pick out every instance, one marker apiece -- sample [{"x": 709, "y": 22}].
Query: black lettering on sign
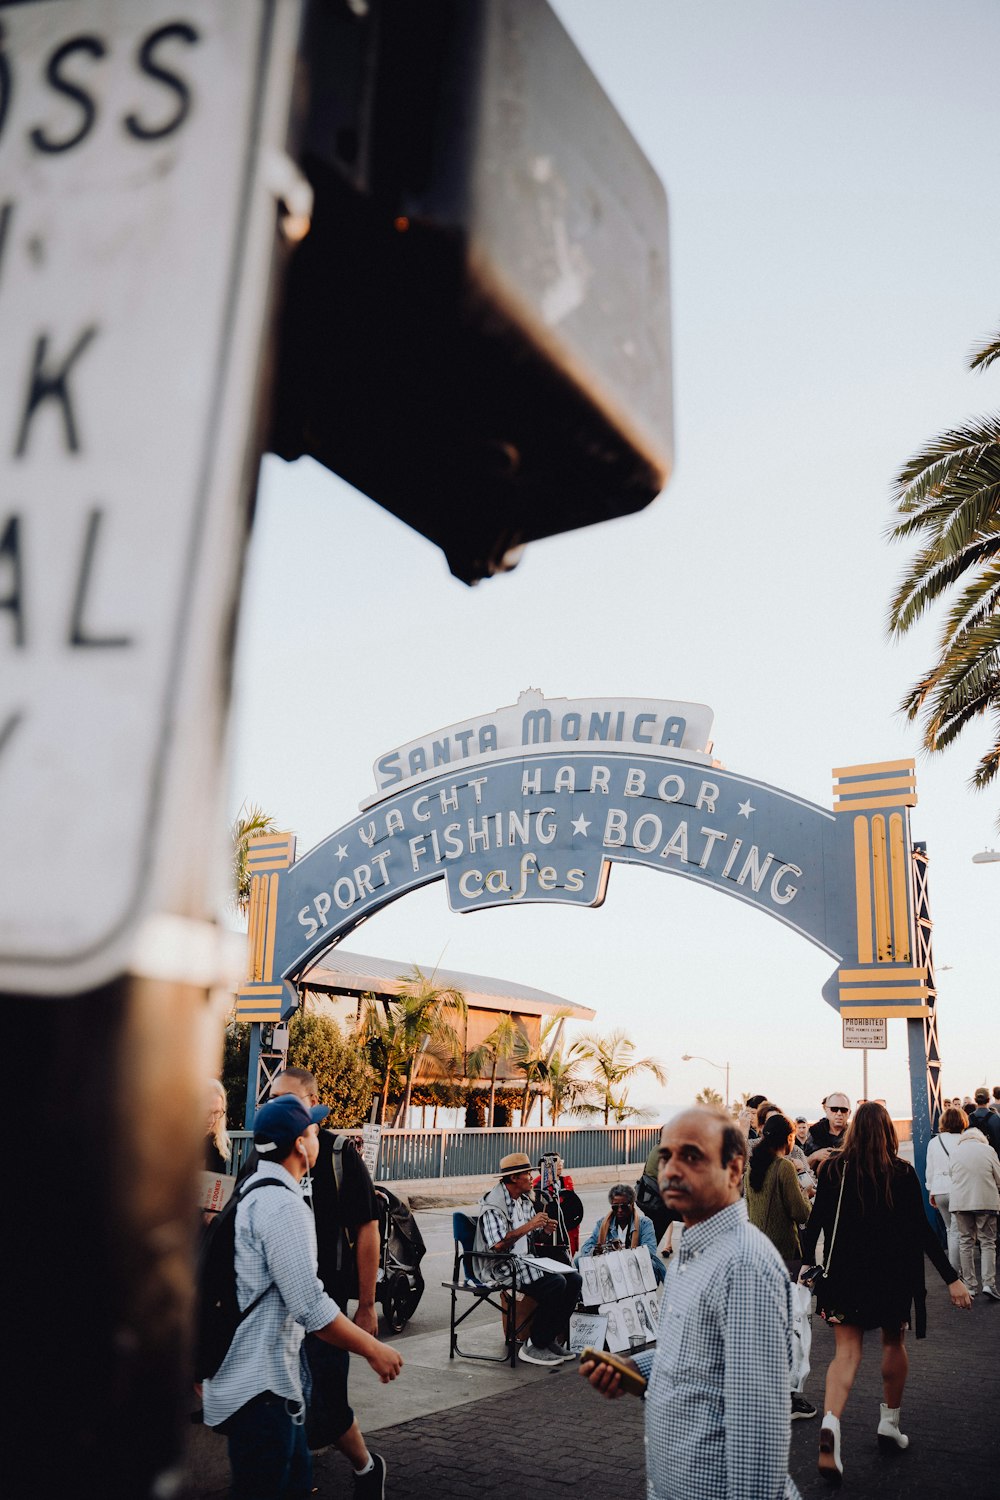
[
  {"x": 78, "y": 635},
  {"x": 6, "y": 214},
  {"x": 46, "y": 384},
  {"x": 7, "y": 727},
  {"x": 5, "y": 81},
  {"x": 63, "y": 85},
  {"x": 149, "y": 65},
  {"x": 10, "y": 568}
]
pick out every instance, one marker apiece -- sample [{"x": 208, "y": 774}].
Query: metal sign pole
[{"x": 139, "y": 257}]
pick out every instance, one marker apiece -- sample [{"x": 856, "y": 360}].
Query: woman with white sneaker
[{"x": 875, "y": 1234}]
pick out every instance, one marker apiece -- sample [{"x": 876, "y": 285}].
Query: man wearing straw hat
[{"x": 506, "y": 1221}]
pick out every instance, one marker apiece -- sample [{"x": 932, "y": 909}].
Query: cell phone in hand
[{"x": 632, "y": 1382}]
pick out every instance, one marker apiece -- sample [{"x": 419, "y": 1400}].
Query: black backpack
[{"x": 217, "y": 1310}]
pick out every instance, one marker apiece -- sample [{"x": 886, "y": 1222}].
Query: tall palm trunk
[{"x": 492, "y": 1116}]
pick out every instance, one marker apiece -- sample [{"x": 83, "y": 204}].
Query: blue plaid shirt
[
  {"x": 718, "y": 1415},
  {"x": 275, "y": 1249}
]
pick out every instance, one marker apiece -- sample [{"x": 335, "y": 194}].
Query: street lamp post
[{"x": 722, "y": 1067}]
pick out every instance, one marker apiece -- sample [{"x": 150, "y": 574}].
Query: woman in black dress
[{"x": 875, "y": 1234}]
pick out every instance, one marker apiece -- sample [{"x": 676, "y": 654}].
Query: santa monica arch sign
[{"x": 537, "y": 802}]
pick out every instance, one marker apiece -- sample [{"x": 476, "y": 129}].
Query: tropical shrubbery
[{"x": 344, "y": 1078}]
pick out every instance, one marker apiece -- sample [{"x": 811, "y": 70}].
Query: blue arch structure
[{"x": 547, "y": 824}]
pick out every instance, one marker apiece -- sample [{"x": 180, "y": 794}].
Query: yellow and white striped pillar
[
  {"x": 884, "y": 978},
  {"x": 260, "y": 997}
]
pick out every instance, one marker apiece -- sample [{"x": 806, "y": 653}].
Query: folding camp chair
[{"x": 500, "y": 1292}]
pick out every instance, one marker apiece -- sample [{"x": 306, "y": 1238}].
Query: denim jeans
[
  {"x": 556, "y": 1297},
  {"x": 267, "y": 1452}
]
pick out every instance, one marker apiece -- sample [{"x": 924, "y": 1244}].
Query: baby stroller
[{"x": 400, "y": 1284}]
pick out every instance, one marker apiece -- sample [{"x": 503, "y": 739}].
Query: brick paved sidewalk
[{"x": 554, "y": 1436}]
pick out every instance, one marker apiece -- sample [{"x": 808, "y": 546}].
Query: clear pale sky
[{"x": 832, "y": 173}]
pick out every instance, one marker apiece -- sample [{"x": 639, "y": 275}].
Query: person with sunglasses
[{"x": 826, "y": 1136}]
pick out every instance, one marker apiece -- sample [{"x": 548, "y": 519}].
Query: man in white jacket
[{"x": 975, "y": 1200}]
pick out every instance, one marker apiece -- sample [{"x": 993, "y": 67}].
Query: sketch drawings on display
[
  {"x": 587, "y": 1331},
  {"x": 617, "y": 1334},
  {"x": 639, "y": 1272},
  {"x": 592, "y": 1292},
  {"x": 609, "y": 1283},
  {"x": 630, "y": 1318},
  {"x": 616, "y": 1266},
  {"x": 647, "y": 1313},
  {"x": 609, "y": 1292},
  {"x": 633, "y": 1272}
]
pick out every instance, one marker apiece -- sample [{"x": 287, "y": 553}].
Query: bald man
[{"x": 718, "y": 1420}]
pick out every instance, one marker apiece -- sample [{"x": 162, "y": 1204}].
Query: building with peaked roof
[{"x": 338, "y": 982}]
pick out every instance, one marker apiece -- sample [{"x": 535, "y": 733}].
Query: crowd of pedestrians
[{"x": 748, "y": 1211}]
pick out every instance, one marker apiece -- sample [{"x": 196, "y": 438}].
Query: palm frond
[
  {"x": 948, "y": 496},
  {"x": 982, "y": 358},
  {"x": 250, "y": 822}
]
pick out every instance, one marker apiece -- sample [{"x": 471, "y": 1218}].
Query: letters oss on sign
[{"x": 136, "y": 239}]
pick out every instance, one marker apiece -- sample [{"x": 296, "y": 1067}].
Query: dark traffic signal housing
[{"x": 476, "y": 328}]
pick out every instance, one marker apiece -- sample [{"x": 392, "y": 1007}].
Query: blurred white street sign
[
  {"x": 137, "y": 237},
  {"x": 371, "y": 1135}
]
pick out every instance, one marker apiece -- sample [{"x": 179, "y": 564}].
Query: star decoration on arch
[
  {"x": 746, "y": 809},
  {"x": 580, "y": 825},
  {"x": 341, "y": 851}
]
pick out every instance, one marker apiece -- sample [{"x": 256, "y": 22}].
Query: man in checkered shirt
[
  {"x": 506, "y": 1222},
  {"x": 717, "y": 1404}
]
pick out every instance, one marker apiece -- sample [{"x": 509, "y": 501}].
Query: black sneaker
[
  {"x": 801, "y": 1408},
  {"x": 371, "y": 1486}
]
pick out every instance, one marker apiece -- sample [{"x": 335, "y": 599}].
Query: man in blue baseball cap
[
  {"x": 280, "y": 1123},
  {"x": 257, "y": 1391}
]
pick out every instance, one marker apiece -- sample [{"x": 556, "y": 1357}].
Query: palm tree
[
  {"x": 535, "y": 1061},
  {"x": 614, "y": 1063},
  {"x": 949, "y": 495},
  {"x": 621, "y": 1110},
  {"x": 531, "y": 1059},
  {"x": 566, "y": 1084},
  {"x": 709, "y": 1096},
  {"x": 381, "y": 1037},
  {"x": 250, "y": 823},
  {"x": 423, "y": 1013},
  {"x": 498, "y": 1047},
  {"x": 739, "y": 1105}
]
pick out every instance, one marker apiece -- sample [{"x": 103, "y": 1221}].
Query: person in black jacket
[
  {"x": 875, "y": 1234},
  {"x": 828, "y": 1135},
  {"x": 347, "y": 1235}
]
